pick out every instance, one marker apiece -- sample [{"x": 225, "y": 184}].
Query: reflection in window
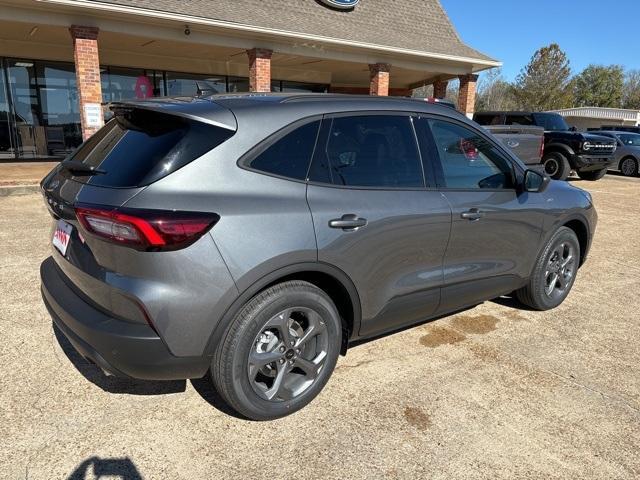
[
  {"x": 468, "y": 160},
  {"x": 371, "y": 151},
  {"x": 185, "y": 84}
]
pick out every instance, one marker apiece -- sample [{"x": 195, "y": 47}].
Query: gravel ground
[{"x": 494, "y": 392}]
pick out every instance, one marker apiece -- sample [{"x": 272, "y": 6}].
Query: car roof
[{"x": 212, "y": 108}]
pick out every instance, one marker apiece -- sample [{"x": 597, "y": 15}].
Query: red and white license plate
[{"x": 62, "y": 236}]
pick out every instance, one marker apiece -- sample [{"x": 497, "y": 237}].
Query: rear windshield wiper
[{"x": 78, "y": 168}]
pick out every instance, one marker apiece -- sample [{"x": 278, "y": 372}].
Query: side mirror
[{"x": 535, "y": 182}]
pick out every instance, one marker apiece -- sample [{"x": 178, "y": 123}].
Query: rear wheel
[
  {"x": 554, "y": 272},
  {"x": 279, "y": 351},
  {"x": 556, "y": 165},
  {"x": 629, "y": 167},
  {"x": 592, "y": 175}
]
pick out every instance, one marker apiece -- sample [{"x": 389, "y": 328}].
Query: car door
[
  {"x": 496, "y": 228},
  {"x": 375, "y": 218}
]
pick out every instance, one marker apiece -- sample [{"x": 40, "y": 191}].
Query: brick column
[
  {"x": 379, "y": 79},
  {"x": 87, "y": 63},
  {"x": 467, "y": 94},
  {"x": 259, "y": 69},
  {"x": 440, "y": 88}
]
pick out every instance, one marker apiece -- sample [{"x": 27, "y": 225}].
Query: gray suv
[{"x": 256, "y": 237}]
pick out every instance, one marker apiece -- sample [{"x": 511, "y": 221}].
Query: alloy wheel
[
  {"x": 560, "y": 270},
  {"x": 628, "y": 167},
  {"x": 288, "y": 354}
]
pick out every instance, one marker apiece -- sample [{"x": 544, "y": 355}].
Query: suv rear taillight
[
  {"x": 148, "y": 230},
  {"x": 542, "y": 147}
]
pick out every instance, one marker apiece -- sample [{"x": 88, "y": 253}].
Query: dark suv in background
[
  {"x": 565, "y": 149},
  {"x": 257, "y": 236}
]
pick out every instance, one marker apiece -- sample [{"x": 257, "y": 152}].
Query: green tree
[
  {"x": 631, "y": 90},
  {"x": 494, "y": 92},
  {"x": 545, "y": 83},
  {"x": 599, "y": 86}
]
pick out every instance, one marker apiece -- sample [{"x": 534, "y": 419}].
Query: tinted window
[
  {"x": 630, "y": 139},
  {"x": 290, "y": 155},
  {"x": 488, "y": 118},
  {"x": 519, "y": 120},
  {"x": 551, "y": 122},
  {"x": 138, "y": 147},
  {"x": 469, "y": 160},
  {"x": 371, "y": 151}
]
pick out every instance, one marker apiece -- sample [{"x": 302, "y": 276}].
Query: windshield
[
  {"x": 551, "y": 122},
  {"x": 630, "y": 139}
]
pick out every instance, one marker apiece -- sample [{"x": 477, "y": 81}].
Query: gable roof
[{"x": 420, "y": 26}]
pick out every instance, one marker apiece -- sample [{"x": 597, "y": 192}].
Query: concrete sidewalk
[{"x": 22, "y": 177}]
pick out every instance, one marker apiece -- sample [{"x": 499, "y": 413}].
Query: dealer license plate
[{"x": 62, "y": 236}]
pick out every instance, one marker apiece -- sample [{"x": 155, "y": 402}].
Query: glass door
[{"x": 6, "y": 137}]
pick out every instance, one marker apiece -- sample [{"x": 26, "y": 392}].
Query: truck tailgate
[{"x": 524, "y": 141}]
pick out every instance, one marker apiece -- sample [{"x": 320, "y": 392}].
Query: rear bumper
[
  {"x": 119, "y": 347},
  {"x": 586, "y": 163}
]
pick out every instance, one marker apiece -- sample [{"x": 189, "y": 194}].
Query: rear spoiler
[{"x": 198, "y": 109}]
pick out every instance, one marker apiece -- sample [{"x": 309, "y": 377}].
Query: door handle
[
  {"x": 472, "y": 214},
  {"x": 348, "y": 222}
]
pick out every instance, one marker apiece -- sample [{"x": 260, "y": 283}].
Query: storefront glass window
[
  {"x": 130, "y": 83},
  {"x": 45, "y": 118},
  {"x": 39, "y": 110},
  {"x": 303, "y": 87},
  {"x": 238, "y": 84},
  {"x": 186, "y": 84},
  {"x": 6, "y": 119}
]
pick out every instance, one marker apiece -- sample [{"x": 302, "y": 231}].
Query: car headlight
[{"x": 586, "y": 146}]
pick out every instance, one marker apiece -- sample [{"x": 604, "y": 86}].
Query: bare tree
[{"x": 494, "y": 92}]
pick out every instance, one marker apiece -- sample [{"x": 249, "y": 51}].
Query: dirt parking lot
[{"x": 494, "y": 392}]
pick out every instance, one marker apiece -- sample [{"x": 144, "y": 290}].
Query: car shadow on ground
[
  {"x": 511, "y": 301},
  {"x": 111, "y": 384},
  {"x": 121, "y": 468},
  {"x": 203, "y": 386}
]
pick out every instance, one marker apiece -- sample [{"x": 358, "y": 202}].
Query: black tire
[
  {"x": 556, "y": 165},
  {"x": 592, "y": 175},
  {"x": 629, "y": 167},
  {"x": 536, "y": 293},
  {"x": 243, "y": 385}
]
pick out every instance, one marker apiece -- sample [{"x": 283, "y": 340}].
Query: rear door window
[
  {"x": 369, "y": 151},
  {"x": 139, "y": 147}
]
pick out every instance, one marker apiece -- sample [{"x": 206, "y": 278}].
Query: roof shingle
[{"x": 420, "y": 25}]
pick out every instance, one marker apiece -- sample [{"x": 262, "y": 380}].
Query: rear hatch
[{"x": 142, "y": 143}]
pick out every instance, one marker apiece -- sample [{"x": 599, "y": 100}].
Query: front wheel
[
  {"x": 556, "y": 165},
  {"x": 554, "y": 272},
  {"x": 279, "y": 351},
  {"x": 592, "y": 175}
]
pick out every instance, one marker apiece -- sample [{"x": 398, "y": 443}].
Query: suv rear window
[{"x": 138, "y": 147}]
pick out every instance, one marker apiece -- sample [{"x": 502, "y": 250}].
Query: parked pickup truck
[
  {"x": 564, "y": 149},
  {"x": 527, "y": 142}
]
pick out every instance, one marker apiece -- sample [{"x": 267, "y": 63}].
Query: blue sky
[{"x": 588, "y": 31}]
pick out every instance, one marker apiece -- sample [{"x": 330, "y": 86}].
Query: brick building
[{"x": 60, "y": 59}]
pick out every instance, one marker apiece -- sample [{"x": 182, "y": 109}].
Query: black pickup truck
[{"x": 564, "y": 148}]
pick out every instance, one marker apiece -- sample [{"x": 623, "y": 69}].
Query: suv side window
[
  {"x": 369, "y": 151},
  {"x": 468, "y": 160},
  {"x": 290, "y": 155}
]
